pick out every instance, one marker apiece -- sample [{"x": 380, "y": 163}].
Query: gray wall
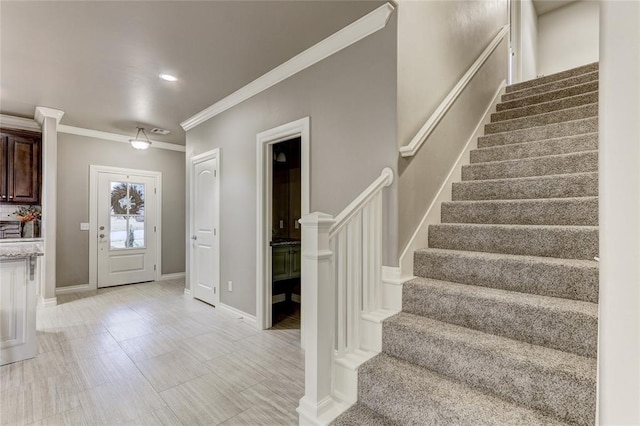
[
  {"x": 75, "y": 155},
  {"x": 351, "y": 100},
  {"x": 437, "y": 42},
  {"x": 568, "y": 37}
]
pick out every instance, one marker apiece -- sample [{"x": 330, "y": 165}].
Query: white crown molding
[
  {"x": 356, "y": 31},
  {"x": 11, "y": 122},
  {"x": 63, "y": 128},
  {"x": 44, "y": 112}
]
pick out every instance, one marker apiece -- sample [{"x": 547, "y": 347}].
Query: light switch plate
[
  {"x": 230, "y": 286},
  {"x": 84, "y": 226}
]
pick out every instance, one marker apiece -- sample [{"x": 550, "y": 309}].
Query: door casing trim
[
  {"x": 214, "y": 153},
  {"x": 264, "y": 162},
  {"x": 94, "y": 170}
]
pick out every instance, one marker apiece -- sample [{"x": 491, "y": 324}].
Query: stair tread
[
  {"x": 580, "y": 99},
  {"x": 566, "y": 278},
  {"x": 583, "y": 69},
  {"x": 557, "y": 361},
  {"x": 560, "y": 383},
  {"x": 536, "y": 99},
  {"x": 564, "y": 324},
  {"x": 518, "y": 160},
  {"x": 573, "y": 80},
  {"x": 424, "y": 397},
  {"x": 512, "y": 297},
  {"x": 522, "y": 201},
  {"x": 526, "y": 178},
  {"x": 574, "y": 162},
  {"x": 587, "y": 110},
  {"x": 530, "y": 144},
  {"x": 575, "y": 263},
  {"x": 360, "y": 414},
  {"x": 549, "y": 131}
]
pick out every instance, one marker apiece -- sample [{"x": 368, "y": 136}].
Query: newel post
[{"x": 318, "y": 316}]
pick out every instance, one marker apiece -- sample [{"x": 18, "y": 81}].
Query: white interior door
[
  {"x": 205, "y": 208},
  {"x": 127, "y": 228}
]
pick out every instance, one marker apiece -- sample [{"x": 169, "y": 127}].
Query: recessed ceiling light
[{"x": 168, "y": 77}]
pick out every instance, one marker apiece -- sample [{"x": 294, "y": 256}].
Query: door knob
[
  {"x": 101, "y": 235},
  {"x": 102, "y": 228},
  {"x": 194, "y": 237}
]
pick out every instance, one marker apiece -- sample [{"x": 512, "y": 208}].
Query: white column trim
[{"x": 48, "y": 118}]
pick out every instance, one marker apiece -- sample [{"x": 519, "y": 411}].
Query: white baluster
[
  {"x": 354, "y": 237},
  {"x": 341, "y": 265}
]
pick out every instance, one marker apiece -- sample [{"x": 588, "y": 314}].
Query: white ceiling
[
  {"x": 99, "y": 60},
  {"x": 544, "y": 6}
]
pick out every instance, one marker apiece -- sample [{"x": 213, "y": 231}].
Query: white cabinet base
[{"x": 17, "y": 311}]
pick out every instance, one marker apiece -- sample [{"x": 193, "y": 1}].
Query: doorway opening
[
  {"x": 286, "y": 211},
  {"x": 283, "y": 167}
]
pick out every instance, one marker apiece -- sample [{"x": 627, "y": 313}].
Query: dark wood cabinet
[{"x": 20, "y": 161}]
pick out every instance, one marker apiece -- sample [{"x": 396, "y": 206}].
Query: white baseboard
[
  {"x": 420, "y": 237},
  {"x": 73, "y": 289},
  {"x": 47, "y": 303},
  {"x": 278, "y": 298},
  {"x": 249, "y": 319},
  {"x": 174, "y": 276},
  {"x": 296, "y": 298},
  {"x": 187, "y": 292}
]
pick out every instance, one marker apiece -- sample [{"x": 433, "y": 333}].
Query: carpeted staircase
[{"x": 500, "y": 325}]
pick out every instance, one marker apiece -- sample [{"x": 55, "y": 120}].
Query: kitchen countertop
[{"x": 19, "y": 248}]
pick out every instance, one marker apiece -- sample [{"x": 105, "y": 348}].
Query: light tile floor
[{"x": 145, "y": 354}]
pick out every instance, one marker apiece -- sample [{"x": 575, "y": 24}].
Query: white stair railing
[{"x": 341, "y": 283}]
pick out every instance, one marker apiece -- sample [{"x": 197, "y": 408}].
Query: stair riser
[
  {"x": 550, "y": 87},
  {"x": 557, "y": 105},
  {"x": 538, "y": 166},
  {"x": 540, "y": 212},
  {"x": 563, "y": 330},
  {"x": 568, "y": 397},
  {"x": 551, "y": 131},
  {"x": 553, "y": 77},
  {"x": 562, "y": 242},
  {"x": 578, "y": 185},
  {"x": 411, "y": 395},
  {"x": 549, "y": 96},
  {"x": 576, "y": 113},
  {"x": 506, "y": 273},
  {"x": 535, "y": 149}
]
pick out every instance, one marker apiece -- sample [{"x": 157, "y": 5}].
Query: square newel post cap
[
  {"x": 318, "y": 220},
  {"x": 44, "y": 112}
]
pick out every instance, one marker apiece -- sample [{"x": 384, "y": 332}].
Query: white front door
[
  {"x": 205, "y": 271},
  {"x": 127, "y": 228}
]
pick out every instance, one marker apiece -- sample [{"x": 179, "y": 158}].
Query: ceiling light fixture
[
  {"x": 139, "y": 143},
  {"x": 168, "y": 77}
]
